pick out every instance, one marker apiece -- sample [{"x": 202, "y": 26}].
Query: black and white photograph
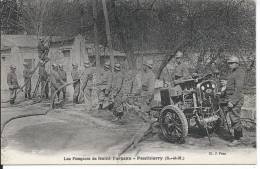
[{"x": 128, "y": 82}]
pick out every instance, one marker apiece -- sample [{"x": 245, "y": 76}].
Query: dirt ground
[{"x": 72, "y": 129}]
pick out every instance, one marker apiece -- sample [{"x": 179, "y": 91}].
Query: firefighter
[
  {"x": 234, "y": 98},
  {"x": 75, "y": 74},
  {"x": 55, "y": 79},
  {"x": 43, "y": 48},
  {"x": 117, "y": 79},
  {"x": 147, "y": 79},
  {"x": 180, "y": 69},
  {"x": 63, "y": 76},
  {"x": 43, "y": 77},
  {"x": 105, "y": 85},
  {"x": 145, "y": 89},
  {"x": 12, "y": 83},
  {"x": 87, "y": 86},
  {"x": 27, "y": 80},
  {"x": 117, "y": 92}
]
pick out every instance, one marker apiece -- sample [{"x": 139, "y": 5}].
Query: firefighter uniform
[
  {"x": 145, "y": 89},
  {"x": 63, "y": 76},
  {"x": 27, "y": 80},
  {"x": 12, "y": 83},
  {"x": 180, "y": 71},
  {"x": 75, "y": 74},
  {"x": 87, "y": 84},
  {"x": 43, "y": 49},
  {"x": 105, "y": 84},
  {"x": 55, "y": 79},
  {"x": 117, "y": 80},
  {"x": 43, "y": 77},
  {"x": 180, "y": 68},
  {"x": 235, "y": 84},
  {"x": 234, "y": 97},
  {"x": 117, "y": 92}
]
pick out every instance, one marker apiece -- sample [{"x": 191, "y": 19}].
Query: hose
[{"x": 38, "y": 114}]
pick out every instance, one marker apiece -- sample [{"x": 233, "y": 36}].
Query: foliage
[{"x": 202, "y": 26}]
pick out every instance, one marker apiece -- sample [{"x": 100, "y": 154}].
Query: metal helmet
[
  {"x": 107, "y": 65},
  {"x": 216, "y": 71},
  {"x": 233, "y": 59},
  {"x": 54, "y": 65},
  {"x": 149, "y": 63},
  {"x": 74, "y": 65},
  {"x": 12, "y": 67},
  {"x": 117, "y": 66},
  {"x": 179, "y": 54},
  {"x": 87, "y": 64}
]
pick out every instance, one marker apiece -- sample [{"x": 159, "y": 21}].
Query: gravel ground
[{"x": 72, "y": 129}]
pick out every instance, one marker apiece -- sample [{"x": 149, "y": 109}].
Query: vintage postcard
[{"x": 128, "y": 82}]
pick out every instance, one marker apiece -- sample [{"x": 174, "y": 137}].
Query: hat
[
  {"x": 149, "y": 63},
  {"x": 60, "y": 65},
  {"x": 216, "y": 71},
  {"x": 41, "y": 38},
  {"x": 117, "y": 66},
  {"x": 26, "y": 64},
  {"x": 74, "y": 65},
  {"x": 41, "y": 62},
  {"x": 179, "y": 54},
  {"x": 233, "y": 59},
  {"x": 107, "y": 65},
  {"x": 12, "y": 67},
  {"x": 54, "y": 65},
  {"x": 87, "y": 64}
]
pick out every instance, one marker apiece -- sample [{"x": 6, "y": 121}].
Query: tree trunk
[
  {"x": 131, "y": 59},
  {"x": 108, "y": 33},
  {"x": 96, "y": 46}
]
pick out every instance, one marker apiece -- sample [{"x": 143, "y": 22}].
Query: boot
[
  {"x": 235, "y": 143},
  {"x": 29, "y": 96},
  {"x": 238, "y": 134},
  {"x": 11, "y": 101},
  {"x": 237, "y": 138}
]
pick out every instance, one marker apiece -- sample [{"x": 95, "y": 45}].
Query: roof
[
  {"x": 8, "y": 41},
  {"x": 103, "y": 50},
  {"x": 20, "y": 41}
]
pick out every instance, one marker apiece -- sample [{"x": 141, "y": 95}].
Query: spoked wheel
[{"x": 173, "y": 125}]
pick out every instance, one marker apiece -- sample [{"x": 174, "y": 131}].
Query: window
[
  {"x": 66, "y": 53},
  {"x": 29, "y": 61}
]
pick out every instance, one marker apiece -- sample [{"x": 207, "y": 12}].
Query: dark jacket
[
  {"x": 12, "y": 80},
  {"x": 235, "y": 85}
]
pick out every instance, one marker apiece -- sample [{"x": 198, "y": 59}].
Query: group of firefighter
[{"x": 112, "y": 85}]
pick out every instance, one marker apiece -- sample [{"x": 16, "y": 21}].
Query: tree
[{"x": 9, "y": 16}]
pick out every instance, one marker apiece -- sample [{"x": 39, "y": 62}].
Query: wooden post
[
  {"x": 108, "y": 33},
  {"x": 96, "y": 46}
]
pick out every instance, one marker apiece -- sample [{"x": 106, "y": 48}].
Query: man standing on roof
[
  {"x": 180, "y": 68},
  {"x": 43, "y": 48},
  {"x": 12, "y": 83},
  {"x": 27, "y": 80},
  {"x": 75, "y": 74}
]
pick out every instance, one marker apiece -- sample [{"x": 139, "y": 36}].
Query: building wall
[{"x": 17, "y": 56}]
